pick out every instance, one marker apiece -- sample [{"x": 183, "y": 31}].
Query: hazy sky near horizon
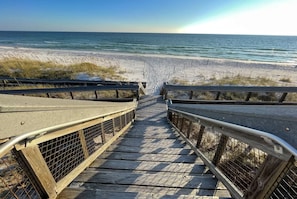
[{"x": 268, "y": 17}]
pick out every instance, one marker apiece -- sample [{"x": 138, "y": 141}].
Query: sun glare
[{"x": 273, "y": 19}]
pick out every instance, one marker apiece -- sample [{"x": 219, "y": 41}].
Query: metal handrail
[{"x": 261, "y": 134}]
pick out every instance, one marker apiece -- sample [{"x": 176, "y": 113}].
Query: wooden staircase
[{"x": 149, "y": 161}]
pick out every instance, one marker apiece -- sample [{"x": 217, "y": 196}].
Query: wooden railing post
[
  {"x": 71, "y": 94},
  {"x": 200, "y": 134},
  {"x": 117, "y": 93},
  {"x": 248, "y": 96},
  {"x": 40, "y": 169},
  {"x": 220, "y": 149},
  {"x": 96, "y": 94},
  {"x": 272, "y": 169},
  {"x": 83, "y": 143},
  {"x": 191, "y": 94},
  {"x": 283, "y": 97},
  {"x": 113, "y": 127},
  {"x": 182, "y": 124},
  {"x": 189, "y": 129},
  {"x": 103, "y": 133},
  {"x": 218, "y": 95}
]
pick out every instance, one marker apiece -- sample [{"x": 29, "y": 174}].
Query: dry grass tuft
[{"x": 21, "y": 68}]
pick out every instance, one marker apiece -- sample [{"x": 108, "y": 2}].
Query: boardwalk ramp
[{"x": 149, "y": 161}]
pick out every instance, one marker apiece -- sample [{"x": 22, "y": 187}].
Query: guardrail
[
  {"x": 136, "y": 89},
  {"x": 42, "y": 163},
  {"x": 252, "y": 164},
  {"x": 217, "y": 93}
]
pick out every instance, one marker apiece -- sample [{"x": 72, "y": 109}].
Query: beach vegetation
[
  {"x": 286, "y": 80},
  {"x": 240, "y": 80},
  {"x": 22, "y": 68},
  {"x": 178, "y": 81}
]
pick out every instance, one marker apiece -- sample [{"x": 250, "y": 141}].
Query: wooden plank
[
  {"x": 151, "y": 157},
  {"x": 40, "y": 169},
  {"x": 192, "y": 169},
  {"x": 206, "y": 181},
  {"x": 151, "y": 128},
  {"x": 218, "y": 191},
  {"x": 150, "y": 143},
  {"x": 151, "y": 136},
  {"x": 85, "y": 193},
  {"x": 152, "y": 150}
]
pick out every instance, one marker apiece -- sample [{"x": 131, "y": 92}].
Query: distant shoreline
[{"x": 156, "y": 69}]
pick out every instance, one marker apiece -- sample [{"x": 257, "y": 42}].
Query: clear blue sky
[{"x": 172, "y": 16}]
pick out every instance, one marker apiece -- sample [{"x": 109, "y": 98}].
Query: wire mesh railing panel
[
  {"x": 240, "y": 163},
  {"x": 130, "y": 116},
  {"x": 62, "y": 154},
  {"x": 93, "y": 138},
  {"x": 287, "y": 187},
  {"x": 193, "y": 134},
  {"x": 123, "y": 121},
  {"x": 108, "y": 129},
  {"x": 14, "y": 183},
  {"x": 209, "y": 143},
  {"x": 117, "y": 124}
]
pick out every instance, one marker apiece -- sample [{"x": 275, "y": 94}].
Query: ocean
[{"x": 279, "y": 49}]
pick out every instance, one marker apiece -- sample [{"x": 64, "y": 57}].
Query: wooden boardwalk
[{"x": 149, "y": 161}]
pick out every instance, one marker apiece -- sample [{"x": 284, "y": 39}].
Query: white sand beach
[{"x": 156, "y": 69}]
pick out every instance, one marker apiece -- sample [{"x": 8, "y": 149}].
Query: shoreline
[
  {"x": 105, "y": 53},
  {"x": 156, "y": 69}
]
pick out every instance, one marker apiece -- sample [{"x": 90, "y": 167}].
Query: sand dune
[{"x": 156, "y": 69}]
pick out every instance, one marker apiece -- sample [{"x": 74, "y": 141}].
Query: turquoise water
[{"x": 281, "y": 49}]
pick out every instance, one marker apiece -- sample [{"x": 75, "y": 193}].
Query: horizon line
[{"x": 132, "y": 32}]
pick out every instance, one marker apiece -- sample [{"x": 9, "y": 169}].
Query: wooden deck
[{"x": 149, "y": 161}]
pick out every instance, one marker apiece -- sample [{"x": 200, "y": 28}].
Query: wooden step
[
  {"x": 128, "y": 165},
  {"x": 168, "y": 143},
  {"x": 152, "y": 150},
  {"x": 151, "y": 157},
  {"x": 70, "y": 193},
  {"x": 204, "y": 181},
  {"x": 151, "y": 189}
]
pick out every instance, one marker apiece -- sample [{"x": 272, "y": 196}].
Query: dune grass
[
  {"x": 22, "y": 68},
  {"x": 240, "y": 80}
]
